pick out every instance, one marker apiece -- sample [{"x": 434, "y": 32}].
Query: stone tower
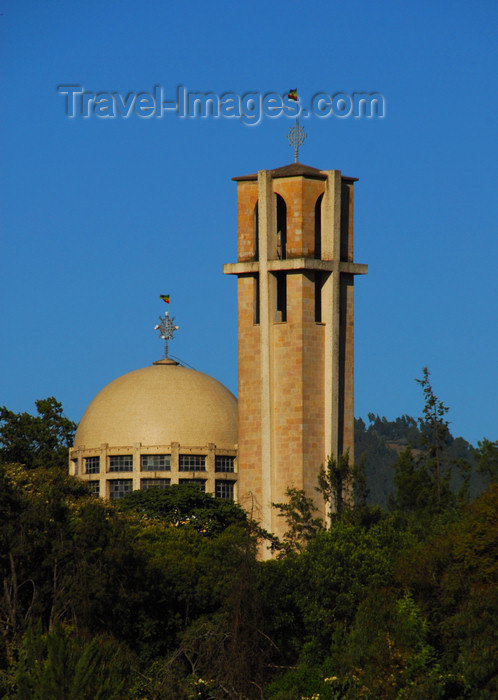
[{"x": 295, "y": 274}]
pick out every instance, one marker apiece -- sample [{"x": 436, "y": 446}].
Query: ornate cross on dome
[
  {"x": 296, "y": 138},
  {"x": 166, "y": 328}
]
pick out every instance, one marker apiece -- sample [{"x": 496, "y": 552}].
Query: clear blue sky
[{"x": 100, "y": 216}]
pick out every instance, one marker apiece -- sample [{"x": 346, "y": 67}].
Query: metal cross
[
  {"x": 166, "y": 328},
  {"x": 296, "y": 138}
]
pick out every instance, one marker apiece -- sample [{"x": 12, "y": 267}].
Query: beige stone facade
[{"x": 295, "y": 274}]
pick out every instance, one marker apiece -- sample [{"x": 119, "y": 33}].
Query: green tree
[
  {"x": 311, "y": 599},
  {"x": 453, "y": 577},
  {"x": 423, "y": 478},
  {"x": 486, "y": 455},
  {"x": 388, "y": 651},
  {"x": 336, "y": 571},
  {"x": 36, "y": 441},
  {"x": 67, "y": 665},
  {"x": 66, "y": 558},
  {"x": 412, "y": 486},
  {"x": 185, "y": 505},
  {"x": 435, "y": 433},
  {"x": 472, "y": 641},
  {"x": 343, "y": 486},
  {"x": 228, "y": 649},
  {"x": 302, "y": 526},
  {"x": 34, "y": 518}
]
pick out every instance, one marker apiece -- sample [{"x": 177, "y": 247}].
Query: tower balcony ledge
[{"x": 295, "y": 264}]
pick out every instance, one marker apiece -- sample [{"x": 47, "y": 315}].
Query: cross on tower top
[{"x": 296, "y": 138}]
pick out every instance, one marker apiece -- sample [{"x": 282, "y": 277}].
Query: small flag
[
  {"x": 292, "y": 95},
  {"x": 164, "y": 297}
]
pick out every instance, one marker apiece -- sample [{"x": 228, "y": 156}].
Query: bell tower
[{"x": 295, "y": 275}]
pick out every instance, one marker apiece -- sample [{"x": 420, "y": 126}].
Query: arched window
[
  {"x": 281, "y": 228},
  {"x": 256, "y": 233},
  {"x": 318, "y": 227}
]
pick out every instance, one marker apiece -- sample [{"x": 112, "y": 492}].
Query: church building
[{"x": 167, "y": 424}]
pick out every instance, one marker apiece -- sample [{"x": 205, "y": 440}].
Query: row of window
[
  {"x": 187, "y": 463},
  {"x": 120, "y": 487},
  {"x": 281, "y": 297}
]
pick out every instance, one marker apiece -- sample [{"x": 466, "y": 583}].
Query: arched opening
[
  {"x": 256, "y": 233},
  {"x": 281, "y": 228},
  {"x": 318, "y": 227}
]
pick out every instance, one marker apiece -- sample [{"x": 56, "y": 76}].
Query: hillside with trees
[
  {"x": 380, "y": 444},
  {"x": 162, "y": 594}
]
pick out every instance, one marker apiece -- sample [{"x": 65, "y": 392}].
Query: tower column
[
  {"x": 266, "y": 217},
  {"x": 331, "y": 246}
]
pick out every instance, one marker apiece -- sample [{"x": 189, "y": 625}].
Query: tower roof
[{"x": 293, "y": 170}]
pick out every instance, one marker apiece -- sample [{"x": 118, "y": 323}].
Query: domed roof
[{"x": 158, "y": 405}]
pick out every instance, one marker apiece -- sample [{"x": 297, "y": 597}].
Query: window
[
  {"x": 119, "y": 488},
  {"x": 154, "y": 484},
  {"x": 281, "y": 305},
  {"x": 200, "y": 483},
  {"x": 318, "y": 227},
  {"x": 94, "y": 487},
  {"x": 92, "y": 465},
  {"x": 281, "y": 228},
  {"x": 318, "y": 296},
  {"x": 223, "y": 463},
  {"x": 121, "y": 463},
  {"x": 256, "y": 302},
  {"x": 223, "y": 489},
  {"x": 153, "y": 463},
  {"x": 192, "y": 463}
]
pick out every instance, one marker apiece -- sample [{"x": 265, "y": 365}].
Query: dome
[{"x": 159, "y": 405}]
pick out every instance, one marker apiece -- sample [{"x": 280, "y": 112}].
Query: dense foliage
[
  {"x": 36, "y": 441},
  {"x": 184, "y": 505},
  {"x": 162, "y": 595}
]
